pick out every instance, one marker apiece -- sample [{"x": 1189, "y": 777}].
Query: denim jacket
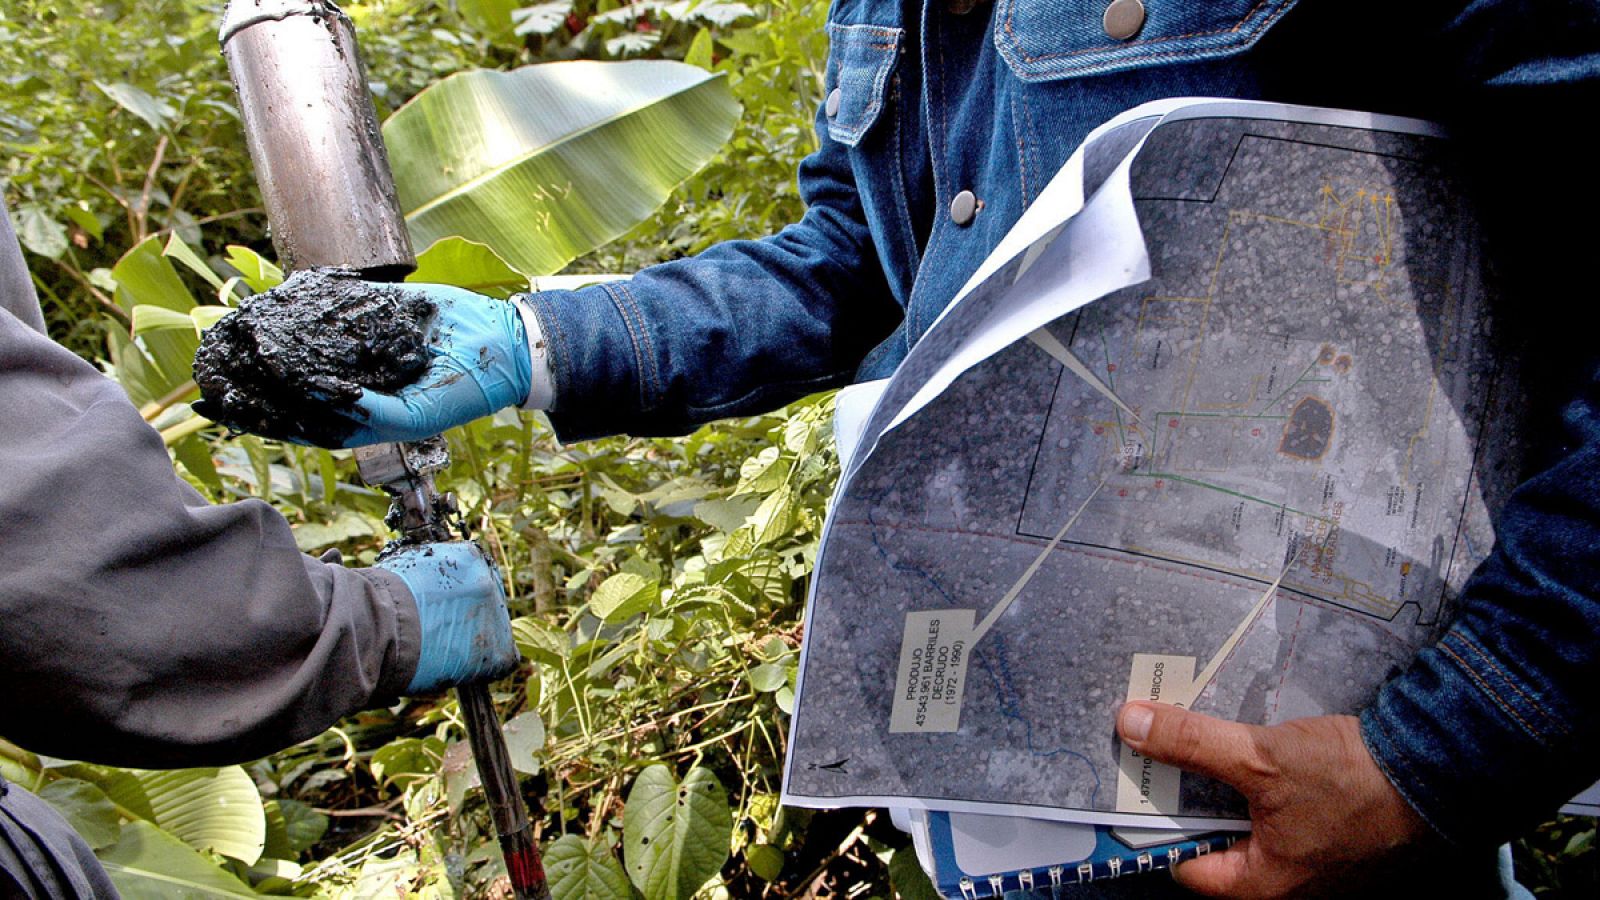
[{"x": 1489, "y": 730}]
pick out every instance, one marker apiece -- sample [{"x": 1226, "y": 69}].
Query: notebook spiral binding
[{"x": 1115, "y": 867}]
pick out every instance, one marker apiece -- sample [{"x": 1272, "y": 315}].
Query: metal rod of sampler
[{"x": 330, "y": 198}]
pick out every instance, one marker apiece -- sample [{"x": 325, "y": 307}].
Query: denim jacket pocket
[
  {"x": 860, "y": 59},
  {"x": 1045, "y": 40}
]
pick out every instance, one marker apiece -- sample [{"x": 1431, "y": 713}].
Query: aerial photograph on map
[{"x": 1259, "y": 506}]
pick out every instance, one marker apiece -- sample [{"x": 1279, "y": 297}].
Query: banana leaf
[{"x": 547, "y": 162}]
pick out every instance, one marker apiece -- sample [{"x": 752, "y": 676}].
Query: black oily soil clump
[{"x": 288, "y": 361}]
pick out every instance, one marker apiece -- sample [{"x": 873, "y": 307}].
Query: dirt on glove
[{"x": 290, "y": 363}]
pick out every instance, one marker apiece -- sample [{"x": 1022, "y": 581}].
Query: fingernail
[{"x": 1136, "y": 721}]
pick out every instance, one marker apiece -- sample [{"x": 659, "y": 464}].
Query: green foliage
[
  {"x": 150, "y": 864},
  {"x": 580, "y": 870},
  {"x": 1560, "y": 859},
  {"x": 675, "y": 835},
  {"x": 547, "y": 162},
  {"x": 656, "y": 585}
]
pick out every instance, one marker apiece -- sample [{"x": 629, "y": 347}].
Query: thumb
[{"x": 1227, "y": 751}]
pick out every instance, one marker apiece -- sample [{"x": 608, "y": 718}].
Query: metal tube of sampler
[{"x": 313, "y": 136}]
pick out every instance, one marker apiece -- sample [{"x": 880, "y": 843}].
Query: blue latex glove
[
  {"x": 466, "y": 631},
  {"x": 480, "y": 365}
]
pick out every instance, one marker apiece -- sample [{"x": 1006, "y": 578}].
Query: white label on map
[
  {"x": 932, "y": 674},
  {"x": 1144, "y": 785}
]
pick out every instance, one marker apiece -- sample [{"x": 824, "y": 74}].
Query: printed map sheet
[{"x": 1248, "y": 477}]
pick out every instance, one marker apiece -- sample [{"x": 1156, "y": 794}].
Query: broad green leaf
[
  {"x": 675, "y": 836},
  {"x": 155, "y": 113},
  {"x": 548, "y": 162},
  {"x": 764, "y": 472},
  {"x": 150, "y": 864},
  {"x": 525, "y": 742},
  {"x": 121, "y": 786},
  {"x": 206, "y": 316},
  {"x": 147, "y": 319},
  {"x": 292, "y": 828},
  {"x": 40, "y": 232},
  {"x": 209, "y": 809},
  {"x": 579, "y": 870},
  {"x": 774, "y": 517},
  {"x": 539, "y": 641},
  {"x": 84, "y": 218},
  {"x": 725, "y": 515},
  {"x": 624, "y": 595},
  {"x": 700, "y": 49},
  {"x": 765, "y": 860},
  {"x": 145, "y": 277},
  {"x": 467, "y": 264},
  {"x": 195, "y": 455},
  {"x": 406, "y": 758},
  {"x": 182, "y": 252},
  {"x": 86, "y": 808},
  {"x": 909, "y": 880},
  {"x": 257, "y": 272},
  {"x": 460, "y": 773},
  {"x": 768, "y": 677},
  {"x": 313, "y": 536}
]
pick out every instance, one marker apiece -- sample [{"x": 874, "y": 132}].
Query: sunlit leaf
[
  {"x": 148, "y": 319},
  {"x": 145, "y": 277},
  {"x": 182, "y": 252},
  {"x": 539, "y": 641},
  {"x": 257, "y": 272},
  {"x": 467, "y": 264},
  {"x": 547, "y": 162},
  {"x": 766, "y": 471},
  {"x": 725, "y": 515},
  {"x": 675, "y": 836},
  {"x": 209, "y": 809},
  {"x": 155, "y": 113},
  {"x": 579, "y": 870},
  {"x": 767, "y": 677},
  {"x": 765, "y": 860},
  {"x": 623, "y": 596}
]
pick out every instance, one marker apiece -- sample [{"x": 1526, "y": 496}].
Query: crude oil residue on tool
[{"x": 287, "y": 361}]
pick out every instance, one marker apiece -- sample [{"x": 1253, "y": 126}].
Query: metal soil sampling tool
[{"x": 330, "y": 197}]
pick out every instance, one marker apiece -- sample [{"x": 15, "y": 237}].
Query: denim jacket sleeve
[
  {"x": 1499, "y": 723},
  {"x": 743, "y": 327}
]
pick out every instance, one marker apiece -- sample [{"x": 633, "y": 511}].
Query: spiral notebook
[{"x": 971, "y": 856}]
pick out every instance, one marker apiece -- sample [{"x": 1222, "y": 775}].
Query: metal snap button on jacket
[
  {"x": 834, "y": 99},
  {"x": 1123, "y": 19},
  {"x": 960, "y": 7},
  {"x": 963, "y": 207}
]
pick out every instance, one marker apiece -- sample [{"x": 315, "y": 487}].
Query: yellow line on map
[{"x": 1027, "y": 576}]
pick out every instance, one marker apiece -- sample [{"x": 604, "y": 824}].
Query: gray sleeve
[
  {"x": 142, "y": 626},
  {"x": 16, "y": 288}
]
